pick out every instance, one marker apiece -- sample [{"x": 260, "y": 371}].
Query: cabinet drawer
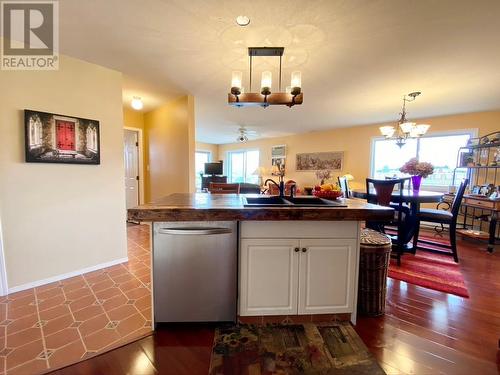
[
  {"x": 299, "y": 229},
  {"x": 481, "y": 203}
]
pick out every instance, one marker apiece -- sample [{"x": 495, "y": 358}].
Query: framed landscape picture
[
  {"x": 316, "y": 161},
  {"x": 53, "y": 138}
]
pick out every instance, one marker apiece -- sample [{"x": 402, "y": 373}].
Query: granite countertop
[{"x": 229, "y": 207}]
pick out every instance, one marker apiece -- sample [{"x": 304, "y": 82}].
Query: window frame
[
  {"x": 201, "y": 151},
  {"x": 227, "y": 165},
  {"x": 472, "y": 133}
]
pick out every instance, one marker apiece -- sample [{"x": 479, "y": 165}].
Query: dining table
[{"x": 413, "y": 199}]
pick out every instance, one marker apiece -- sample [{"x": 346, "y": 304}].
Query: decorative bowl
[{"x": 328, "y": 194}]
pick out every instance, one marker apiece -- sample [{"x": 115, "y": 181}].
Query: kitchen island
[{"x": 279, "y": 261}]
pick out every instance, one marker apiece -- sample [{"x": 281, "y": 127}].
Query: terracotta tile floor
[{"x": 63, "y": 322}]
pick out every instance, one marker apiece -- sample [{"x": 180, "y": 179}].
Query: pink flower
[{"x": 414, "y": 168}]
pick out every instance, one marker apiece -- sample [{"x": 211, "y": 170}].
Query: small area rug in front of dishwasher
[{"x": 309, "y": 349}]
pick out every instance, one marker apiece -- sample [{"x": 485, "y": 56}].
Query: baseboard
[{"x": 52, "y": 279}]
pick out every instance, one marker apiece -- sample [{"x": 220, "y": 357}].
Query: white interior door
[{"x": 131, "y": 150}]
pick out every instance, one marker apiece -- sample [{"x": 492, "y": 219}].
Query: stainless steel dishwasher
[{"x": 195, "y": 271}]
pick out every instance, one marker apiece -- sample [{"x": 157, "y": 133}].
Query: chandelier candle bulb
[
  {"x": 266, "y": 82},
  {"x": 296, "y": 82},
  {"x": 236, "y": 79}
]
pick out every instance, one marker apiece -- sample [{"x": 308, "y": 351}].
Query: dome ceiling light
[
  {"x": 292, "y": 96},
  {"x": 137, "y": 103},
  {"x": 405, "y": 129},
  {"x": 242, "y": 20}
]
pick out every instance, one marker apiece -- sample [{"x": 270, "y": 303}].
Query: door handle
[
  {"x": 304, "y": 249},
  {"x": 296, "y": 249},
  {"x": 194, "y": 231}
]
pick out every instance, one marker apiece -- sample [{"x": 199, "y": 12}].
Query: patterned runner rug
[{"x": 305, "y": 349}]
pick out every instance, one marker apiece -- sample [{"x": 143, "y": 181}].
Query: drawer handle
[
  {"x": 296, "y": 249},
  {"x": 194, "y": 231},
  {"x": 304, "y": 249}
]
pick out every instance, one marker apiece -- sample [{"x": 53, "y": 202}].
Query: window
[
  {"x": 440, "y": 150},
  {"x": 35, "y": 132},
  {"x": 241, "y": 165},
  {"x": 92, "y": 138},
  {"x": 200, "y": 158}
]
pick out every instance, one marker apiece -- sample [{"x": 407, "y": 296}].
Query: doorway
[{"x": 133, "y": 167}]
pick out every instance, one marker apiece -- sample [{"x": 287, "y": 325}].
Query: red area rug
[{"x": 433, "y": 271}]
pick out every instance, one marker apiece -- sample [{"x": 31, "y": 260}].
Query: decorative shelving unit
[{"x": 481, "y": 206}]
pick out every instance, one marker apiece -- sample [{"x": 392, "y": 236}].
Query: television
[{"x": 214, "y": 168}]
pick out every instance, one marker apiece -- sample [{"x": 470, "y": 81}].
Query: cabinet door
[
  {"x": 268, "y": 276},
  {"x": 327, "y": 269}
]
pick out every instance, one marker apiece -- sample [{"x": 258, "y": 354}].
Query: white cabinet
[
  {"x": 287, "y": 276},
  {"x": 326, "y": 276},
  {"x": 268, "y": 277}
]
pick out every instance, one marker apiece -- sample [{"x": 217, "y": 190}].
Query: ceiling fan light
[
  {"x": 387, "y": 131},
  {"x": 137, "y": 103},
  {"x": 406, "y": 127}
]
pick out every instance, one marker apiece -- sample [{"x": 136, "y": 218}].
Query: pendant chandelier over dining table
[
  {"x": 405, "y": 129},
  {"x": 239, "y": 98}
]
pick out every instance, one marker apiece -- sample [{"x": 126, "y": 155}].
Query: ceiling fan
[{"x": 244, "y": 133}]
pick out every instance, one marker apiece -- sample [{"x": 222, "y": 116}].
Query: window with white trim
[
  {"x": 440, "y": 150},
  {"x": 241, "y": 166},
  {"x": 200, "y": 158}
]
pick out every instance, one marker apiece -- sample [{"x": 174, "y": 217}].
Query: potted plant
[{"x": 417, "y": 170}]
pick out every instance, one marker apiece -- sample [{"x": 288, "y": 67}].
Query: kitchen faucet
[{"x": 281, "y": 185}]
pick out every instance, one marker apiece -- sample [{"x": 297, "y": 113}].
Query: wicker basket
[{"x": 375, "y": 250}]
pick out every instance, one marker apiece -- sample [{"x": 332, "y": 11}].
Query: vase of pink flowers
[{"x": 418, "y": 171}]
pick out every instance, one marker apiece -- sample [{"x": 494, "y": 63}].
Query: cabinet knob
[
  {"x": 304, "y": 249},
  {"x": 296, "y": 249}
]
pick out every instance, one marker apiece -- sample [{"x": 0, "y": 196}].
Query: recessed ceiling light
[
  {"x": 137, "y": 103},
  {"x": 242, "y": 20}
]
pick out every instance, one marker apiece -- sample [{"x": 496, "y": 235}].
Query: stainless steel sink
[{"x": 274, "y": 201}]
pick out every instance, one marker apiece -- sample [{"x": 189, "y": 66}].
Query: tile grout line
[
  {"x": 41, "y": 330},
  {"x": 73, "y": 316},
  {"x": 97, "y": 299}
]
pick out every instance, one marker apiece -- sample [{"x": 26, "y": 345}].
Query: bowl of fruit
[{"x": 327, "y": 191}]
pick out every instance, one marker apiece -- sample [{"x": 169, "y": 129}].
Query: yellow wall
[
  {"x": 132, "y": 118},
  {"x": 169, "y": 149},
  {"x": 214, "y": 149},
  {"x": 356, "y": 144},
  {"x": 60, "y": 218}
]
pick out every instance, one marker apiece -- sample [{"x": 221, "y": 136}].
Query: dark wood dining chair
[
  {"x": 344, "y": 186},
  {"x": 446, "y": 218},
  {"x": 220, "y": 188},
  {"x": 382, "y": 196}
]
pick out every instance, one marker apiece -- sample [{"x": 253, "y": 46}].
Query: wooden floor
[{"x": 423, "y": 332}]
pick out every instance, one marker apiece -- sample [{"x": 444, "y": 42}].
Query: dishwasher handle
[{"x": 194, "y": 231}]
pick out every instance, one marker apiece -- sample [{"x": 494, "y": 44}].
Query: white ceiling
[{"x": 357, "y": 57}]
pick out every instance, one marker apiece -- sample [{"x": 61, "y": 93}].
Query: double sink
[{"x": 274, "y": 201}]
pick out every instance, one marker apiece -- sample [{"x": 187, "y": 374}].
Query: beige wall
[
  {"x": 214, "y": 149},
  {"x": 169, "y": 146},
  {"x": 356, "y": 144},
  {"x": 60, "y": 218}
]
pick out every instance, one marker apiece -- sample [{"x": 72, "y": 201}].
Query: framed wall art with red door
[{"x": 53, "y": 138}]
